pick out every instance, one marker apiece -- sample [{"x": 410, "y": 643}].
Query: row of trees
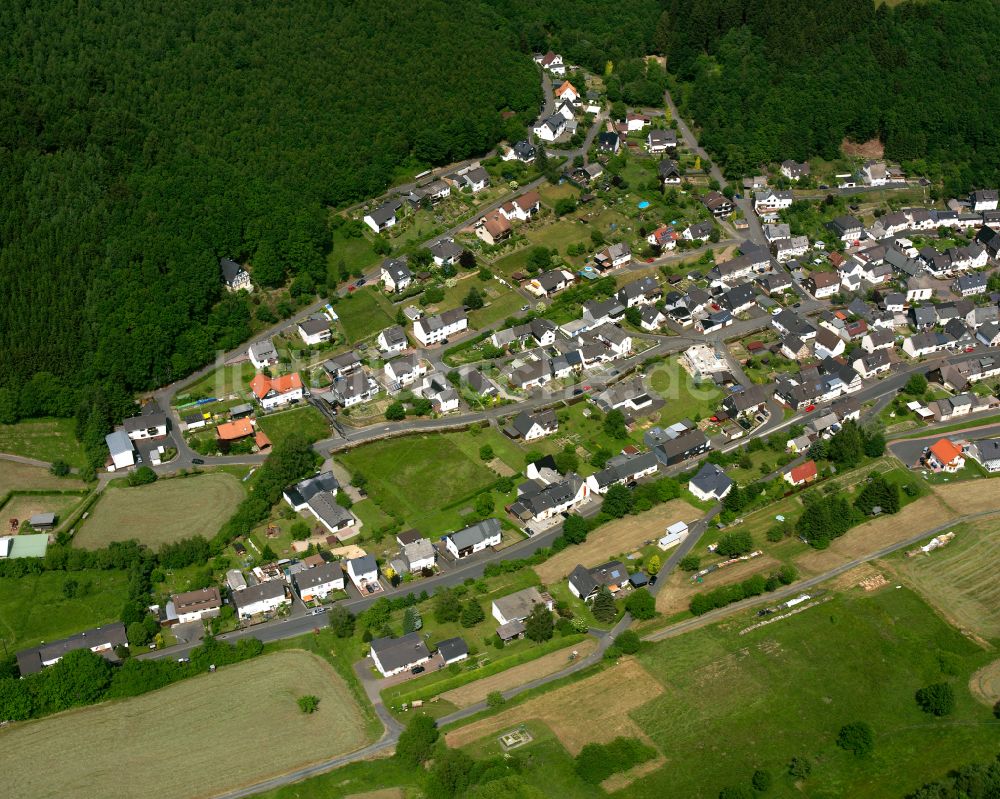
[{"x": 753, "y": 586}]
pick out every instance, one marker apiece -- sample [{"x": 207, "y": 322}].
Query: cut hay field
[
  {"x": 615, "y": 538},
  {"x": 165, "y": 511},
  {"x": 961, "y": 579},
  {"x": 20, "y": 477},
  {"x": 592, "y": 710},
  {"x": 519, "y": 675},
  {"x": 197, "y": 738},
  {"x": 24, "y": 506}
]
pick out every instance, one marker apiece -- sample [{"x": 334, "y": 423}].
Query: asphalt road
[{"x": 909, "y": 450}]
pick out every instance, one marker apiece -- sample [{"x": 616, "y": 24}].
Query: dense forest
[
  {"x": 773, "y": 79},
  {"x": 141, "y": 141}
]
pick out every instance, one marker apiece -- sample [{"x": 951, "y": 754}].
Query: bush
[
  {"x": 628, "y": 642},
  {"x": 597, "y": 762},
  {"x": 733, "y": 545},
  {"x": 416, "y": 742},
  {"x": 640, "y": 604},
  {"x": 690, "y": 563},
  {"x": 761, "y": 781},
  {"x": 308, "y": 704},
  {"x": 937, "y": 699},
  {"x": 857, "y": 737},
  {"x": 495, "y": 699},
  {"x": 142, "y": 476},
  {"x": 799, "y": 767}
]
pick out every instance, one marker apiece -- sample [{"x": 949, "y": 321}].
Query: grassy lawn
[
  {"x": 430, "y": 480},
  {"x": 87, "y": 746},
  {"x": 734, "y": 703},
  {"x": 685, "y": 399},
  {"x": 167, "y": 510},
  {"x": 35, "y": 607},
  {"x": 559, "y": 235},
  {"x": 223, "y": 382},
  {"x": 356, "y": 253},
  {"x": 44, "y": 439},
  {"x": 20, "y": 477},
  {"x": 365, "y": 313},
  {"x": 306, "y": 421},
  {"x": 500, "y": 303}
]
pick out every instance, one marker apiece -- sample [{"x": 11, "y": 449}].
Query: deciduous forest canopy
[
  {"x": 141, "y": 141},
  {"x": 773, "y": 79}
]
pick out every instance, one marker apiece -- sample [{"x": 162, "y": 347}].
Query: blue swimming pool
[{"x": 644, "y": 204}]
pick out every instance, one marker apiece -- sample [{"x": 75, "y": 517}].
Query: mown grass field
[
  {"x": 43, "y": 439},
  {"x": 24, "y": 506},
  {"x": 685, "y": 399},
  {"x": 961, "y": 578},
  {"x": 424, "y": 478},
  {"x": 223, "y": 382},
  {"x": 365, "y": 313},
  {"x": 19, "y": 477},
  {"x": 732, "y": 704},
  {"x": 304, "y": 420},
  {"x": 36, "y": 608},
  {"x": 167, "y": 510},
  {"x": 197, "y": 738}
]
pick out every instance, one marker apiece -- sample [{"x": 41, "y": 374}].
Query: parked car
[
  {"x": 197, "y": 461},
  {"x": 417, "y": 670}
]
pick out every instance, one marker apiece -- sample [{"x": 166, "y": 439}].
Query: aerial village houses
[
  {"x": 320, "y": 581},
  {"x": 189, "y": 606},
  {"x": 383, "y": 217},
  {"x": 260, "y": 599},
  {"x": 263, "y": 354},
  {"x": 395, "y": 275},
  {"x": 101, "y": 640},
  {"x": 395, "y": 655}
]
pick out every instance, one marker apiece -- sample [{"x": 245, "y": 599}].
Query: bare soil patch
[
  {"x": 623, "y": 535},
  {"x": 873, "y": 148},
  {"x": 676, "y": 594},
  {"x": 518, "y": 675},
  {"x": 925, "y": 513},
  {"x": 618, "y": 781},
  {"x": 594, "y": 710},
  {"x": 985, "y": 684}
]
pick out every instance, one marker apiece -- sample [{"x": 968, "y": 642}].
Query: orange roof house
[
  {"x": 567, "y": 88},
  {"x": 263, "y": 442},
  {"x": 947, "y": 455},
  {"x": 233, "y": 431},
  {"x": 801, "y": 474},
  {"x": 262, "y": 385}
]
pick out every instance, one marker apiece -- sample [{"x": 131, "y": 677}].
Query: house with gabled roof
[
  {"x": 273, "y": 392},
  {"x": 945, "y": 456},
  {"x": 661, "y": 141},
  {"x": 384, "y": 216},
  {"x": 262, "y": 354},
  {"x": 234, "y": 276},
  {"x": 531, "y": 426},
  {"x": 435, "y": 329},
  {"x": 474, "y": 538},
  {"x": 711, "y": 483},
  {"x": 393, "y": 656},
  {"x": 801, "y": 474},
  {"x": 584, "y": 583},
  {"x": 395, "y": 274},
  {"x": 392, "y": 340}
]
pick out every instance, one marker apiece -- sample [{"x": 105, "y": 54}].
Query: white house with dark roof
[
  {"x": 986, "y": 452},
  {"x": 435, "y": 329},
  {"x": 363, "y": 572},
  {"x": 395, "y": 655},
  {"x": 315, "y": 330},
  {"x": 256, "y": 600},
  {"x": 234, "y": 276},
  {"x": 395, "y": 275},
  {"x": 445, "y": 252},
  {"x": 710, "y": 483},
  {"x": 262, "y": 354},
  {"x": 383, "y": 217},
  {"x": 419, "y": 555},
  {"x": 474, "y": 539},
  {"x": 585, "y": 583},
  {"x": 320, "y": 581},
  {"x": 405, "y": 370},
  {"x": 531, "y": 426},
  {"x": 392, "y": 340},
  {"x": 204, "y": 603},
  {"x": 146, "y": 426}
]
